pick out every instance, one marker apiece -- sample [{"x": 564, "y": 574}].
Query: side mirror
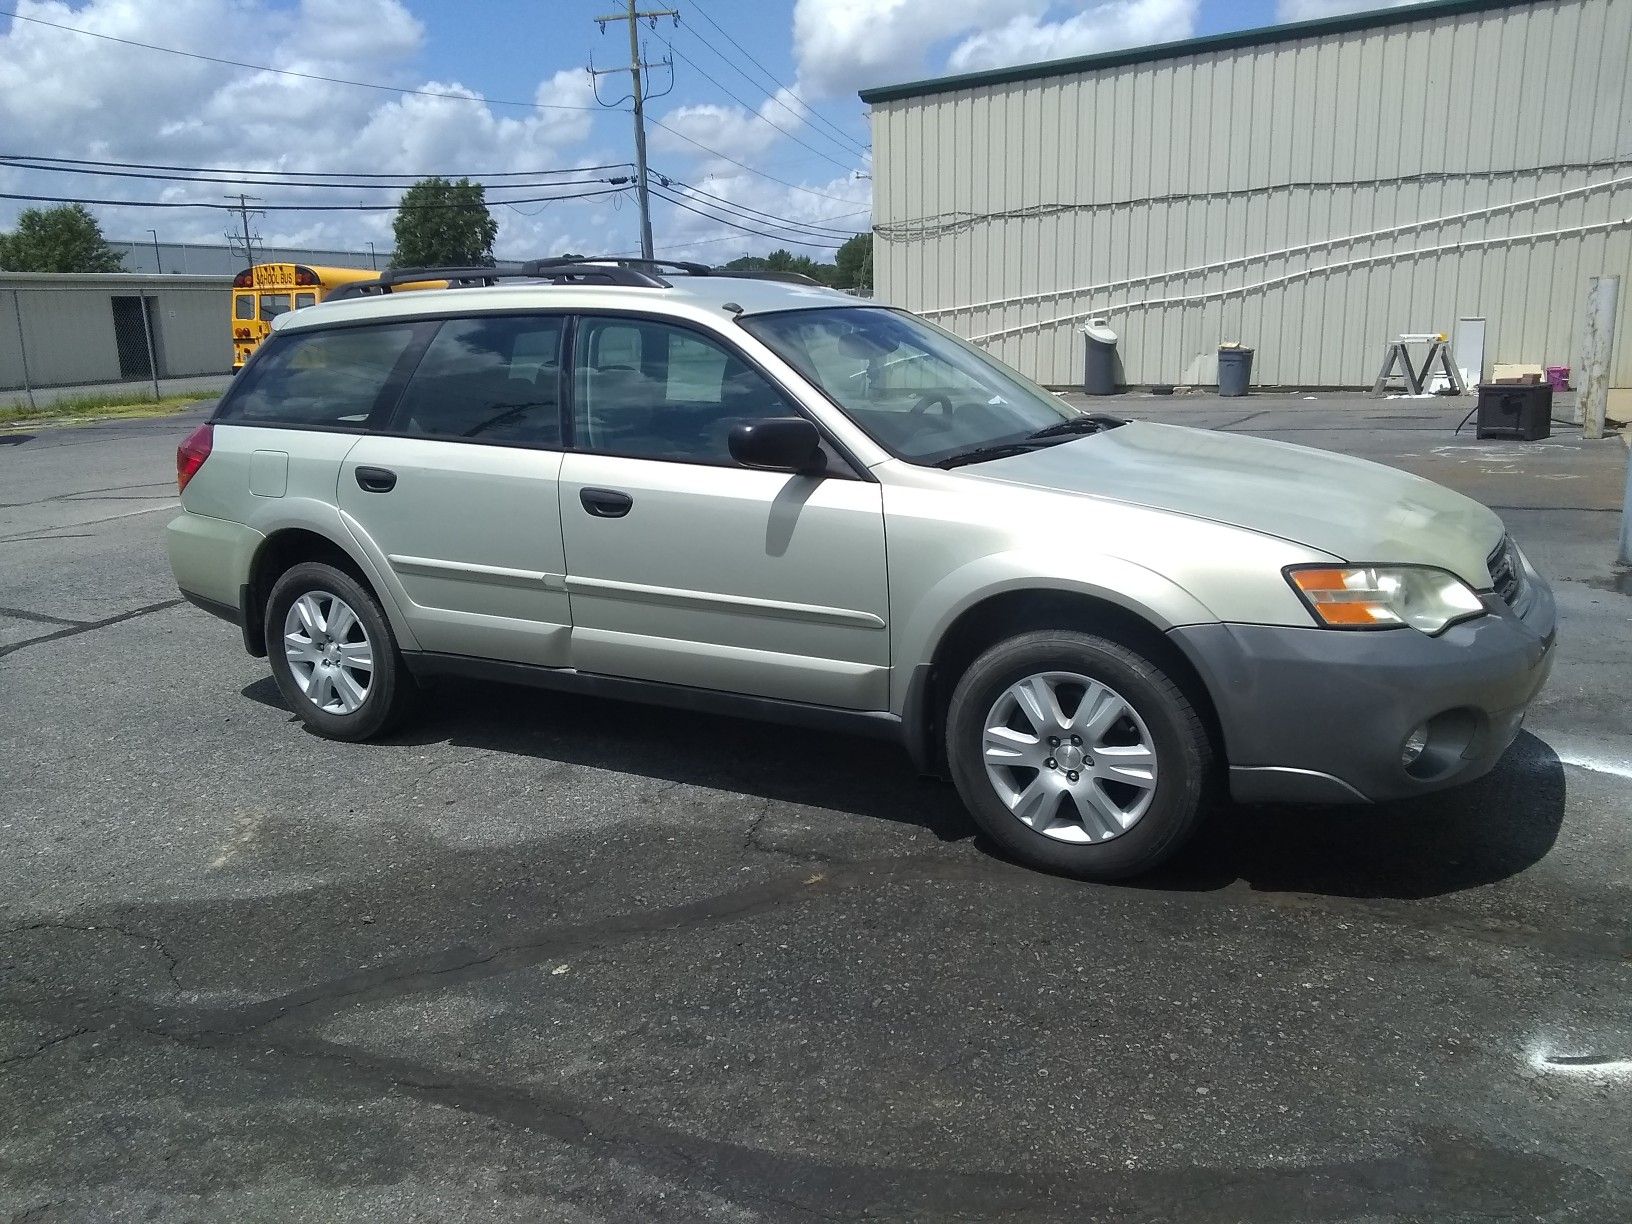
[{"x": 778, "y": 444}]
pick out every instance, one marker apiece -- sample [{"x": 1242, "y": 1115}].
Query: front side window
[
  {"x": 274, "y": 304},
  {"x": 243, "y": 306},
  {"x": 921, "y": 392},
  {"x": 494, "y": 379},
  {"x": 655, "y": 391},
  {"x": 324, "y": 378}
]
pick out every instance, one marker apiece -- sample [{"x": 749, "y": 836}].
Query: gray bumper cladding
[{"x": 1321, "y": 715}]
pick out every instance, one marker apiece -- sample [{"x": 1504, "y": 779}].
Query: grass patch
[{"x": 99, "y": 406}]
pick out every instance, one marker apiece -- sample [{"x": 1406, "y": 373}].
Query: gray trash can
[
  {"x": 1234, "y": 369},
  {"x": 1099, "y": 361}
]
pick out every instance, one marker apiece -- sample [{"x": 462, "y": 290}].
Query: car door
[
  {"x": 456, "y": 498},
  {"x": 685, "y": 568}
]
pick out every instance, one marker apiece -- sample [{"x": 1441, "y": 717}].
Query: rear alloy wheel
[
  {"x": 1077, "y": 754},
  {"x": 333, "y": 654}
]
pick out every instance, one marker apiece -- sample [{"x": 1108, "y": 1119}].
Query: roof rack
[{"x": 563, "y": 270}]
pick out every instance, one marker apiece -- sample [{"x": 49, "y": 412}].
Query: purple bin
[{"x": 1558, "y": 378}]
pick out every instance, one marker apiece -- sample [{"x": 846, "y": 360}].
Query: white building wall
[{"x": 1311, "y": 198}]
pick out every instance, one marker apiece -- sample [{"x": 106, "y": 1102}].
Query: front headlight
[{"x": 1384, "y": 596}]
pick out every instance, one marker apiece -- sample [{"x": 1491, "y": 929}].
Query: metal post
[
  {"x": 1597, "y": 350},
  {"x": 373, "y": 262},
  {"x": 22, "y": 350},
  {"x": 147, "y": 334},
  {"x": 158, "y": 264},
  {"x": 1625, "y": 557}
]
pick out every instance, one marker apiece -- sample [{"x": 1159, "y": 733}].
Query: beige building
[
  {"x": 1309, "y": 190},
  {"x": 80, "y": 328}
]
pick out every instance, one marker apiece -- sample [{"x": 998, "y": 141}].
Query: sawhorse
[{"x": 1397, "y": 354}]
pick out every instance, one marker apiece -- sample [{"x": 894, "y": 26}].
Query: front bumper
[{"x": 1321, "y": 716}]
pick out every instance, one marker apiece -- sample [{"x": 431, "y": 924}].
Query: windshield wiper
[
  {"x": 980, "y": 454},
  {"x": 1090, "y": 422}
]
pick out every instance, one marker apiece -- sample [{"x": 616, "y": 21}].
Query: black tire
[
  {"x": 391, "y": 693},
  {"x": 1183, "y": 753}
]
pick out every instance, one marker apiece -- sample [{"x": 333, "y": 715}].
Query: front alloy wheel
[
  {"x": 1078, "y": 754},
  {"x": 1070, "y": 757}
]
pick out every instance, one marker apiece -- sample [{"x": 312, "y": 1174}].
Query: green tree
[
  {"x": 62, "y": 239},
  {"x": 855, "y": 263},
  {"x": 441, "y": 223}
]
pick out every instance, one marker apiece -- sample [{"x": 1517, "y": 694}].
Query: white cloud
[
  {"x": 844, "y": 45},
  {"x": 1305, "y": 10},
  {"x": 1105, "y": 27},
  {"x": 62, "y": 94},
  {"x": 728, "y": 129}
]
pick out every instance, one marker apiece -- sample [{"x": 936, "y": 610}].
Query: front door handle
[
  {"x": 605, "y": 503},
  {"x": 376, "y": 480}
]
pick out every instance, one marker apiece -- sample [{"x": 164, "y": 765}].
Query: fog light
[{"x": 1415, "y": 743}]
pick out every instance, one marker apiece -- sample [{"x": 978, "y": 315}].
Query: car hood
[{"x": 1352, "y": 509}]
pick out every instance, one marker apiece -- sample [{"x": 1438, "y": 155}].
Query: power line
[
  {"x": 755, "y": 113},
  {"x": 744, "y": 165},
  {"x": 795, "y": 239},
  {"x": 360, "y": 174},
  {"x": 288, "y": 72},
  {"x": 718, "y": 201},
  {"x": 769, "y": 75},
  {"x": 44, "y": 199},
  {"x": 153, "y": 176}
]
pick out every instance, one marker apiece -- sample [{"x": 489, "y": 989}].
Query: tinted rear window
[
  {"x": 329, "y": 378},
  {"x": 492, "y": 379}
]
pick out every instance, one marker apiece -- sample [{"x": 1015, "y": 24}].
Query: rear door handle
[
  {"x": 605, "y": 503},
  {"x": 376, "y": 480}
]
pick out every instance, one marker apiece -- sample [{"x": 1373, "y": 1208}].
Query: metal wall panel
[{"x": 1311, "y": 198}]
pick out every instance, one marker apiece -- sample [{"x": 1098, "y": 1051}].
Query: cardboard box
[{"x": 1524, "y": 374}]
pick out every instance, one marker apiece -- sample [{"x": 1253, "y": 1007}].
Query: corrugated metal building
[
  {"x": 1311, "y": 190},
  {"x": 59, "y": 329}
]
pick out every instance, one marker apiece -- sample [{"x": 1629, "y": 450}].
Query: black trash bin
[
  {"x": 1099, "y": 361},
  {"x": 1234, "y": 369}
]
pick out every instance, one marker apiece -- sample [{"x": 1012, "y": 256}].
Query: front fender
[{"x": 1126, "y": 584}]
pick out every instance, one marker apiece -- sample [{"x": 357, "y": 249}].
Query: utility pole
[
  {"x": 634, "y": 69},
  {"x": 244, "y": 210}
]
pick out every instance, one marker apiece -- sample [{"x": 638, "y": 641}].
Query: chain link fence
[{"x": 111, "y": 337}]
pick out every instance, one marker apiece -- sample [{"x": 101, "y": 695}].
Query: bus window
[
  {"x": 305, "y": 299},
  {"x": 273, "y": 305},
  {"x": 243, "y": 305}
]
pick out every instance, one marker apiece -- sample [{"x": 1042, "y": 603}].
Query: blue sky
[{"x": 743, "y": 155}]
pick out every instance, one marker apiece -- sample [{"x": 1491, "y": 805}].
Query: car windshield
[{"x": 921, "y": 392}]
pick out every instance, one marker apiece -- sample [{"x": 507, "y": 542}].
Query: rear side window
[
  {"x": 324, "y": 378},
  {"x": 495, "y": 379}
]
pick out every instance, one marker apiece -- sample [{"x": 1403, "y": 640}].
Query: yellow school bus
[{"x": 264, "y": 291}]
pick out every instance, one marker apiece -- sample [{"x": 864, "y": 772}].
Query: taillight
[{"x": 190, "y": 455}]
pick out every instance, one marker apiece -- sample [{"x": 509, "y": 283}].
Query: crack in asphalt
[
  {"x": 41, "y": 617},
  {"x": 44, "y": 1046},
  {"x": 172, "y": 962},
  {"x": 77, "y": 628},
  {"x": 87, "y": 494}
]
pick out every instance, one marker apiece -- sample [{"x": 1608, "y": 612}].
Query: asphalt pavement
[{"x": 541, "y": 957}]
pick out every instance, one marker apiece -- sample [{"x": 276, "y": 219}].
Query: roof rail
[
  {"x": 562, "y": 269},
  {"x": 565, "y": 271}
]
